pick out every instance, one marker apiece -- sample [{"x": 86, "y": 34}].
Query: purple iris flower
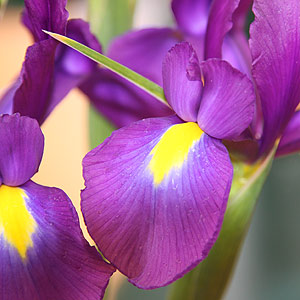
[
  {"x": 50, "y": 70},
  {"x": 204, "y": 24},
  {"x": 43, "y": 253},
  {"x": 156, "y": 190}
]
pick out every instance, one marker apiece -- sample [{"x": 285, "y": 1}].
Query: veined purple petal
[
  {"x": 274, "y": 43},
  {"x": 21, "y": 149},
  {"x": 290, "y": 141},
  {"x": 32, "y": 98},
  {"x": 182, "y": 81},
  {"x": 50, "y": 71},
  {"x": 219, "y": 24},
  {"x": 45, "y": 14},
  {"x": 191, "y": 15},
  {"x": 42, "y": 250},
  {"x": 155, "y": 197},
  {"x": 144, "y": 50},
  {"x": 120, "y": 101},
  {"x": 228, "y": 100}
]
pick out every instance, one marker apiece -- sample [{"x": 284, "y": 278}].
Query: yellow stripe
[
  {"x": 16, "y": 223},
  {"x": 172, "y": 149}
]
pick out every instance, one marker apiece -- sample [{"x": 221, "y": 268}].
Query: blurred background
[{"x": 269, "y": 266}]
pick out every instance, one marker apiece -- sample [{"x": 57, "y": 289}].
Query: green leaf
[
  {"x": 208, "y": 281},
  {"x": 137, "y": 79}
]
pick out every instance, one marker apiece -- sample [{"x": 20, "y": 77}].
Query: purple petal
[
  {"x": 182, "y": 81},
  {"x": 241, "y": 14},
  {"x": 191, "y": 15},
  {"x": 290, "y": 141},
  {"x": 32, "y": 98},
  {"x": 21, "y": 149},
  {"x": 228, "y": 100},
  {"x": 120, "y": 101},
  {"x": 71, "y": 67},
  {"x": 155, "y": 198},
  {"x": 71, "y": 61},
  {"x": 236, "y": 51},
  {"x": 50, "y": 71},
  {"x": 45, "y": 14},
  {"x": 143, "y": 50},
  {"x": 46, "y": 257},
  {"x": 275, "y": 40},
  {"x": 219, "y": 24}
]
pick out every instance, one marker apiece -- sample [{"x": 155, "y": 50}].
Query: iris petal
[
  {"x": 219, "y": 24},
  {"x": 57, "y": 263},
  {"x": 182, "y": 81},
  {"x": 274, "y": 43},
  {"x": 119, "y": 100},
  {"x": 48, "y": 15},
  {"x": 146, "y": 47},
  {"x": 191, "y": 15},
  {"x": 21, "y": 149},
  {"x": 290, "y": 141},
  {"x": 228, "y": 100},
  {"x": 155, "y": 199}
]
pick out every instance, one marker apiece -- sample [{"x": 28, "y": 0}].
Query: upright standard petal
[
  {"x": 50, "y": 71},
  {"x": 156, "y": 192},
  {"x": 228, "y": 100},
  {"x": 119, "y": 100},
  {"x": 21, "y": 149},
  {"x": 290, "y": 141},
  {"x": 42, "y": 251},
  {"x": 144, "y": 50},
  {"x": 33, "y": 95},
  {"x": 191, "y": 15},
  {"x": 182, "y": 81},
  {"x": 274, "y": 42},
  {"x": 45, "y": 14},
  {"x": 219, "y": 24}
]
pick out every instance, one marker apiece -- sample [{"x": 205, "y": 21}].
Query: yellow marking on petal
[
  {"x": 16, "y": 223},
  {"x": 172, "y": 149},
  {"x": 298, "y": 107}
]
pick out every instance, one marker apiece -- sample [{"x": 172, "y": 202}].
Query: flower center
[{"x": 16, "y": 223}]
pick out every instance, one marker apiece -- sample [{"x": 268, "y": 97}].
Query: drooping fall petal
[
  {"x": 155, "y": 196},
  {"x": 42, "y": 251}
]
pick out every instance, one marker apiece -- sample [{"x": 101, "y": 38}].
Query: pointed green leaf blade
[
  {"x": 209, "y": 280},
  {"x": 137, "y": 79}
]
